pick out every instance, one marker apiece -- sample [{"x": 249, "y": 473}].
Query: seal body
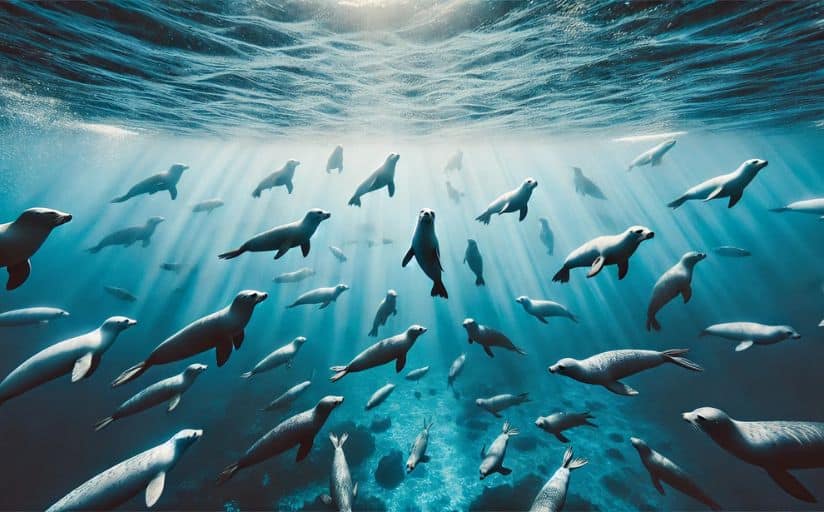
[
  {"x": 493, "y": 458},
  {"x": 427, "y": 252},
  {"x": 299, "y": 430},
  {"x": 543, "y": 309},
  {"x": 552, "y": 496},
  {"x": 652, "y": 156},
  {"x": 674, "y": 282},
  {"x": 288, "y": 397},
  {"x": 455, "y": 369},
  {"x": 387, "y": 308},
  {"x": 208, "y": 206},
  {"x": 556, "y": 423},
  {"x": 488, "y": 337},
  {"x": 585, "y": 186},
  {"x": 729, "y": 251},
  {"x": 220, "y": 330},
  {"x": 342, "y": 492},
  {"x": 472, "y": 256},
  {"x": 496, "y": 404},
  {"x": 282, "y": 238},
  {"x": 662, "y": 469},
  {"x": 605, "y": 250},
  {"x": 382, "y": 352},
  {"x": 338, "y": 253},
  {"x": 547, "y": 236},
  {"x": 513, "y": 201},
  {"x": 607, "y": 368},
  {"x": 156, "y": 183},
  {"x": 322, "y": 296},
  {"x": 417, "y": 453},
  {"x": 751, "y": 333},
  {"x": 120, "y": 483},
  {"x": 128, "y": 236},
  {"x": 28, "y": 316},
  {"x": 730, "y": 185},
  {"x": 280, "y": 178},
  {"x": 455, "y": 162},
  {"x": 335, "y": 160},
  {"x": 120, "y": 293},
  {"x": 20, "y": 239},
  {"x": 811, "y": 206},
  {"x": 282, "y": 356},
  {"x": 383, "y": 176},
  {"x": 379, "y": 396},
  {"x": 775, "y": 446},
  {"x": 294, "y": 277}
]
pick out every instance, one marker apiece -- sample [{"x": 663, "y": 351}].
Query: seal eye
[{"x": 700, "y": 418}]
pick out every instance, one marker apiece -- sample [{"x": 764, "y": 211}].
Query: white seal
[
  {"x": 557, "y": 422},
  {"x": 383, "y": 176},
  {"x": 417, "y": 454},
  {"x": 652, "y": 157},
  {"x": 605, "y": 250},
  {"x": 338, "y": 253},
  {"x": 294, "y": 277},
  {"x": 387, "y": 308},
  {"x": 585, "y": 186},
  {"x": 21, "y": 238},
  {"x": 427, "y": 252},
  {"x": 156, "y": 183},
  {"x": 322, "y": 296},
  {"x": 282, "y": 356},
  {"x": 455, "y": 369},
  {"x": 730, "y": 185},
  {"x": 128, "y": 236},
  {"x": 543, "y": 309},
  {"x": 382, "y": 352},
  {"x": 493, "y": 459},
  {"x": 335, "y": 160},
  {"x": 749, "y": 333},
  {"x": 282, "y": 238},
  {"x": 341, "y": 491},
  {"x": 674, "y": 282},
  {"x": 496, "y": 404},
  {"x": 379, "y": 396},
  {"x": 488, "y": 337},
  {"x": 29, "y": 316},
  {"x": 280, "y": 178},
  {"x": 513, "y": 201},
  {"x": 455, "y": 162},
  {"x": 417, "y": 374},
  {"x": 472, "y": 256},
  {"x": 288, "y": 397},
  {"x": 552, "y": 496},
  {"x": 208, "y": 205},
  {"x": 811, "y": 206}
]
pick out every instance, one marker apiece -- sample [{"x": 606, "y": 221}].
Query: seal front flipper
[
  {"x": 791, "y": 485},
  {"x": 488, "y": 351},
  {"x": 657, "y": 483},
  {"x": 289, "y": 186},
  {"x": 715, "y": 193},
  {"x": 173, "y": 192},
  {"x": 734, "y": 198},
  {"x": 541, "y": 319},
  {"x": 82, "y": 367},
  {"x": 223, "y": 351},
  {"x": 504, "y": 471},
  {"x": 281, "y": 252},
  {"x": 524, "y": 211},
  {"x": 620, "y": 388},
  {"x": 18, "y": 273},
  {"x": 390, "y": 187},
  {"x": 744, "y": 345},
  {"x": 623, "y": 268},
  {"x": 687, "y": 293},
  {"x": 237, "y": 339},
  {"x": 561, "y": 437},
  {"x": 304, "y": 248},
  {"x": 597, "y": 265},
  {"x": 303, "y": 451},
  {"x": 400, "y": 363},
  {"x": 408, "y": 257},
  {"x": 173, "y": 403},
  {"x": 155, "y": 489}
]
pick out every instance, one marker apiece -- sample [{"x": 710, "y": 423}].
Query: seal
[
  {"x": 455, "y": 369},
  {"x": 382, "y": 352},
  {"x": 454, "y": 194},
  {"x": 120, "y": 483},
  {"x": 120, "y": 293},
  {"x": 729, "y": 251},
  {"x": 299, "y": 430},
  {"x": 542, "y": 309},
  {"x": 156, "y": 183},
  {"x": 387, "y": 307},
  {"x": 652, "y": 157},
  {"x": 775, "y": 446},
  {"x": 208, "y": 206},
  {"x": 282, "y": 238},
  {"x": 472, "y": 256},
  {"x": 418, "y": 454},
  {"x": 338, "y": 253},
  {"x": 128, "y": 236},
  {"x": 488, "y": 337},
  {"x": 513, "y": 201},
  {"x": 168, "y": 390},
  {"x": 557, "y": 422},
  {"x": 498, "y": 403},
  {"x": 455, "y": 162},
  {"x": 811, "y": 206},
  {"x": 280, "y": 178},
  {"x": 607, "y": 368},
  {"x": 282, "y": 356},
  {"x": 493, "y": 459},
  {"x": 335, "y": 160},
  {"x": 662, "y": 469},
  {"x": 730, "y": 185},
  {"x": 29, "y": 316},
  {"x": 552, "y": 496},
  {"x": 341, "y": 491},
  {"x": 749, "y": 333},
  {"x": 80, "y": 356},
  {"x": 427, "y": 252},
  {"x": 605, "y": 250},
  {"x": 379, "y": 396},
  {"x": 383, "y": 176},
  {"x": 286, "y": 399},
  {"x": 417, "y": 374},
  {"x": 322, "y": 296},
  {"x": 294, "y": 277},
  {"x": 674, "y": 282},
  {"x": 220, "y": 331},
  {"x": 21, "y": 238},
  {"x": 547, "y": 236},
  {"x": 585, "y": 186}
]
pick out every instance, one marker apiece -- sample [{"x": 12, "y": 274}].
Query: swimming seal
[
  {"x": 605, "y": 250},
  {"x": 382, "y": 352},
  {"x": 547, "y": 236},
  {"x": 493, "y": 459},
  {"x": 128, "y": 236},
  {"x": 472, "y": 256},
  {"x": 383, "y": 176},
  {"x": 335, "y": 160},
  {"x": 811, "y": 206},
  {"x": 585, "y": 186},
  {"x": 282, "y": 356},
  {"x": 387, "y": 307},
  {"x": 28, "y": 316},
  {"x": 427, "y": 252},
  {"x": 513, "y": 201},
  {"x": 341, "y": 491},
  {"x": 288, "y": 397},
  {"x": 675, "y": 281},
  {"x": 156, "y": 183},
  {"x": 498, "y": 403},
  {"x": 208, "y": 206},
  {"x": 488, "y": 337},
  {"x": 322, "y": 296},
  {"x": 379, "y": 396},
  {"x": 730, "y": 185},
  {"x": 280, "y": 178},
  {"x": 552, "y": 496},
  {"x": 749, "y": 333},
  {"x": 282, "y": 238},
  {"x": 418, "y": 454},
  {"x": 652, "y": 157},
  {"x": 21, "y": 238},
  {"x": 556, "y": 423},
  {"x": 542, "y": 309}
]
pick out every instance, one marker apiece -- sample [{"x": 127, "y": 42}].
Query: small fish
[
  {"x": 729, "y": 251},
  {"x": 120, "y": 293}
]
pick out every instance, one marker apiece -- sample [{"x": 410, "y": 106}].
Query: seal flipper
[
  {"x": 488, "y": 351},
  {"x": 734, "y": 198},
  {"x": 744, "y": 345},
  {"x": 400, "y": 362},
  {"x": 657, "y": 483},
  {"x": 18, "y": 273},
  {"x": 281, "y": 252},
  {"x": 237, "y": 340},
  {"x": 483, "y": 451},
  {"x": 561, "y": 437},
  {"x": 408, "y": 257},
  {"x": 687, "y": 293},
  {"x": 155, "y": 489},
  {"x": 82, "y": 367},
  {"x": 619, "y": 388},
  {"x": 173, "y": 403},
  {"x": 623, "y": 268},
  {"x": 790, "y": 484},
  {"x": 289, "y": 186},
  {"x": 504, "y": 471},
  {"x": 223, "y": 350},
  {"x": 524, "y": 211},
  {"x": 304, "y": 449},
  {"x": 597, "y": 265},
  {"x": 541, "y": 319},
  {"x": 390, "y": 187},
  {"x": 715, "y": 193},
  {"x": 173, "y": 192}
]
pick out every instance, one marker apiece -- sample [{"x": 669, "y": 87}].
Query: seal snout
[
  {"x": 554, "y": 368},
  {"x": 64, "y": 218},
  {"x": 649, "y": 234}
]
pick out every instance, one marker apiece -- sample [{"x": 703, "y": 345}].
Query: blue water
[{"x": 95, "y": 97}]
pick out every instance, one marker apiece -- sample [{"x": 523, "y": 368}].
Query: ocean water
[{"x": 97, "y": 96}]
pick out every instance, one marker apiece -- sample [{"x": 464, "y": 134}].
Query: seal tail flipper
[
  {"x": 227, "y": 473},
  {"x": 439, "y": 290},
  {"x": 18, "y": 273},
  {"x": 479, "y": 281},
  {"x": 510, "y": 430},
  {"x": 791, "y": 485},
  {"x": 523, "y": 397},
  {"x": 232, "y": 254},
  {"x": 673, "y": 354},
  {"x": 95, "y": 249},
  {"x": 131, "y": 374},
  {"x": 520, "y": 351},
  {"x": 355, "y": 201},
  {"x": 374, "y": 331},
  {"x": 341, "y": 371},
  {"x": 562, "y": 276},
  {"x": 572, "y": 317},
  {"x": 678, "y": 202},
  {"x": 570, "y": 462},
  {"x": 256, "y": 192},
  {"x": 484, "y": 217},
  {"x": 100, "y": 425},
  {"x": 779, "y": 210}
]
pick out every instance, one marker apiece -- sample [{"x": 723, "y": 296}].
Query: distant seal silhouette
[
  {"x": 282, "y": 238},
  {"x": 542, "y": 309},
  {"x": 383, "y": 176},
  {"x": 605, "y": 250},
  {"x": 299, "y": 430},
  {"x": 417, "y": 374},
  {"x": 382, "y": 352},
  {"x": 608, "y": 368},
  {"x": 335, "y": 160},
  {"x": 280, "y": 178},
  {"x": 128, "y": 236},
  {"x": 286, "y": 399},
  {"x": 454, "y": 194},
  {"x": 387, "y": 308},
  {"x": 455, "y": 369},
  {"x": 427, "y": 252},
  {"x": 220, "y": 330},
  {"x": 156, "y": 183},
  {"x": 418, "y": 454},
  {"x": 729, "y": 251},
  {"x": 120, "y": 483},
  {"x": 552, "y": 496},
  {"x": 208, "y": 206},
  {"x": 322, "y": 296},
  {"x": 283, "y": 356},
  {"x": 455, "y": 162},
  {"x": 547, "y": 236},
  {"x": 496, "y": 404},
  {"x": 811, "y": 206},
  {"x": 21, "y": 238},
  {"x": 585, "y": 186},
  {"x": 557, "y": 422},
  {"x": 379, "y": 396},
  {"x": 730, "y": 185},
  {"x": 167, "y": 390},
  {"x": 472, "y": 256},
  {"x": 749, "y": 333},
  {"x": 80, "y": 356},
  {"x": 342, "y": 493},
  {"x": 29, "y": 316},
  {"x": 493, "y": 459},
  {"x": 652, "y": 157},
  {"x": 338, "y": 254},
  {"x": 120, "y": 293},
  {"x": 675, "y": 281},
  {"x": 294, "y": 277},
  {"x": 513, "y": 201},
  {"x": 775, "y": 446},
  {"x": 488, "y": 337},
  {"x": 661, "y": 469}
]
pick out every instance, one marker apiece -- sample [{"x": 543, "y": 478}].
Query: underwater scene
[{"x": 411, "y": 255}]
